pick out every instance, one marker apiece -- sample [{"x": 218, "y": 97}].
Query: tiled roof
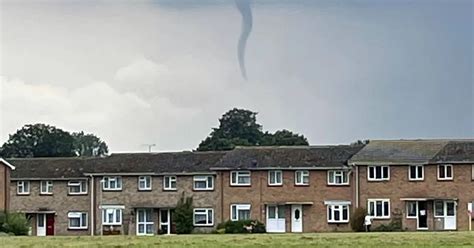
[
  {"x": 413, "y": 151},
  {"x": 287, "y": 157}
]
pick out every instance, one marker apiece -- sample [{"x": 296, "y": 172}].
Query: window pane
[
  {"x": 385, "y": 172},
  {"x": 298, "y": 177},
  {"x": 234, "y": 212},
  {"x": 244, "y": 214},
  {"x": 420, "y": 171},
  {"x": 345, "y": 213},
  {"x": 173, "y": 184},
  {"x": 344, "y": 177},
  {"x": 412, "y": 172},
  {"x": 306, "y": 179},
  {"x": 441, "y": 171},
  {"x": 118, "y": 214},
  {"x": 378, "y": 210},
  {"x": 84, "y": 220},
  {"x": 200, "y": 184},
  {"x": 439, "y": 207},
  {"x": 371, "y": 208},
  {"x": 200, "y": 218},
  {"x": 234, "y": 177},
  {"x": 450, "y": 208},
  {"x": 209, "y": 217},
  {"x": 411, "y": 209},
  {"x": 281, "y": 212},
  {"x": 330, "y": 212},
  {"x": 279, "y": 177},
  {"x": 331, "y": 176},
  {"x": 74, "y": 222},
  {"x": 386, "y": 211},
  {"x": 149, "y": 228},
  {"x": 272, "y": 212},
  {"x": 371, "y": 172},
  {"x": 141, "y": 228},
  {"x": 449, "y": 172},
  {"x": 210, "y": 181}
]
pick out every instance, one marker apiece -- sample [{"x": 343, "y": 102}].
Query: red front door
[{"x": 50, "y": 224}]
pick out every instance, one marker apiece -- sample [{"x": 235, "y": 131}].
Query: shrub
[
  {"x": 395, "y": 225},
  {"x": 357, "y": 220},
  {"x": 15, "y": 223},
  {"x": 243, "y": 226},
  {"x": 184, "y": 215}
]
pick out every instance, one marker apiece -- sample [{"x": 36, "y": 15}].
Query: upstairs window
[
  {"x": 77, "y": 220},
  {"x": 379, "y": 173},
  {"x": 302, "y": 177},
  {"x": 379, "y": 208},
  {"x": 77, "y": 187},
  {"x": 203, "y": 182},
  {"x": 144, "y": 183},
  {"x": 23, "y": 187},
  {"x": 338, "y": 177},
  {"x": 169, "y": 182},
  {"x": 240, "y": 178},
  {"x": 46, "y": 187},
  {"x": 239, "y": 212},
  {"x": 275, "y": 177},
  {"x": 112, "y": 183},
  {"x": 415, "y": 172},
  {"x": 445, "y": 172}
]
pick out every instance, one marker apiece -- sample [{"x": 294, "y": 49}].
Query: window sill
[
  {"x": 275, "y": 185},
  {"x": 241, "y": 185},
  {"x": 74, "y": 194},
  {"x": 339, "y": 185},
  {"x": 378, "y": 180},
  {"x": 203, "y": 189},
  {"x": 170, "y": 190},
  {"x": 416, "y": 180},
  {"x": 77, "y": 228},
  {"x": 109, "y": 224},
  {"x": 381, "y": 218},
  {"x": 412, "y": 217},
  {"x": 23, "y": 194},
  {"x": 111, "y": 190},
  {"x": 203, "y": 225},
  {"x": 46, "y": 194},
  {"x": 338, "y": 222},
  {"x": 301, "y": 185},
  {"x": 445, "y": 179},
  {"x": 144, "y": 190}
]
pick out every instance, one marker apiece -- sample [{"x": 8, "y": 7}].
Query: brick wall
[
  {"x": 259, "y": 194},
  {"x": 461, "y": 188},
  {"x": 60, "y": 202},
  {"x": 131, "y": 197}
]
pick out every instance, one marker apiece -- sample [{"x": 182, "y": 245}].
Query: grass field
[{"x": 379, "y": 240}]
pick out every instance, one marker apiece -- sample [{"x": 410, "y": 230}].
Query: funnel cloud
[{"x": 246, "y": 12}]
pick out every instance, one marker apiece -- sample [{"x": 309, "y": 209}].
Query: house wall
[
  {"x": 4, "y": 186},
  {"x": 60, "y": 202},
  {"x": 461, "y": 187},
  {"x": 259, "y": 194},
  {"x": 157, "y": 198}
]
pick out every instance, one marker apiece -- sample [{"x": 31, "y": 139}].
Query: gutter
[
  {"x": 280, "y": 168},
  {"x": 151, "y": 174}
]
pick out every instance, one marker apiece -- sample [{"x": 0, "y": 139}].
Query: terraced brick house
[{"x": 429, "y": 184}]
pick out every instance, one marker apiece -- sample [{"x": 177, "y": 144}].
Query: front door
[
  {"x": 276, "y": 218},
  {"x": 450, "y": 215},
  {"x": 49, "y": 224},
  {"x": 145, "y": 222},
  {"x": 422, "y": 215},
  {"x": 41, "y": 224},
  {"x": 296, "y": 218},
  {"x": 165, "y": 221}
]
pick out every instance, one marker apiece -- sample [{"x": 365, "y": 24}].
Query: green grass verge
[{"x": 379, "y": 240}]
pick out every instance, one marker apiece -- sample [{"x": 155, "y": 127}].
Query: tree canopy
[
  {"x": 239, "y": 127},
  {"x": 42, "y": 140}
]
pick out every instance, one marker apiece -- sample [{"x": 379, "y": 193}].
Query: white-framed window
[
  {"x": 301, "y": 177},
  {"x": 445, "y": 172},
  {"x": 338, "y": 213},
  {"x": 239, "y": 212},
  {"x": 444, "y": 208},
  {"x": 416, "y": 172},
  {"x": 203, "y": 217},
  {"x": 112, "y": 183},
  {"x": 412, "y": 209},
  {"x": 379, "y": 208},
  {"x": 46, "y": 187},
  {"x": 144, "y": 183},
  {"x": 78, "y": 187},
  {"x": 145, "y": 224},
  {"x": 111, "y": 216},
  {"x": 23, "y": 187},
  {"x": 77, "y": 220},
  {"x": 203, "y": 182},
  {"x": 338, "y": 177},
  {"x": 275, "y": 177},
  {"x": 169, "y": 182},
  {"x": 378, "y": 173},
  {"x": 240, "y": 178}
]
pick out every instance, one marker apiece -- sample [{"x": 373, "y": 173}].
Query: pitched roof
[
  {"x": 178, "y": 162},
  {"x": 410, "y": 151},
  {"x": 287, "y": 157},
  {"x": 6, "y": 163},
  {"x": 49, "y": 167},
  {"x": 456, "y": 151}
]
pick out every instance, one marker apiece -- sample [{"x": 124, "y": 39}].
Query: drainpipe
[
  {"x": 221, "y": 174},
  {"x": 356, "y": 185},
  {"x": 92, "y": 206}
]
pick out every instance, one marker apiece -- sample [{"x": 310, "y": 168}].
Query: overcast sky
[{"x": 163, "y": 72}]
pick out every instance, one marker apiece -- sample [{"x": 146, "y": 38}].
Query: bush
[
  {"x": 184, "y": 215},
  {"x": 15, "y": 223},
  {"x": 242, "y": 226},
  {"x": 395, "y": 224},
  {"x": 357, "y": 220}
]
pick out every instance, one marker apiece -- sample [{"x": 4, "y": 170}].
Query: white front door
[
  {"x": 296, "y": 218},
  {"x": 41, "y": 225},
  {"x": 165, "y": 222},
  {"x": 450, "y": 215},
  {"x": 276, "y": 218},
  {"x": 144, "y": 222}
]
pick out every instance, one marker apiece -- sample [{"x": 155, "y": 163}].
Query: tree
[
  {"x": 89, "y": 145},
  {"x": 283, "y": 138},
  {"x": 239, "y": 127},
  {"x": 183, "y": 215},
  {"x": 41, "y": 140}
]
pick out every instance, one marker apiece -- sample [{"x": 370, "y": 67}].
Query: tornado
[{"x": 246, "y": 12}]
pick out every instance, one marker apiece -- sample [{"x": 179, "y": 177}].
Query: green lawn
[{"x": 379, "y": 240}]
